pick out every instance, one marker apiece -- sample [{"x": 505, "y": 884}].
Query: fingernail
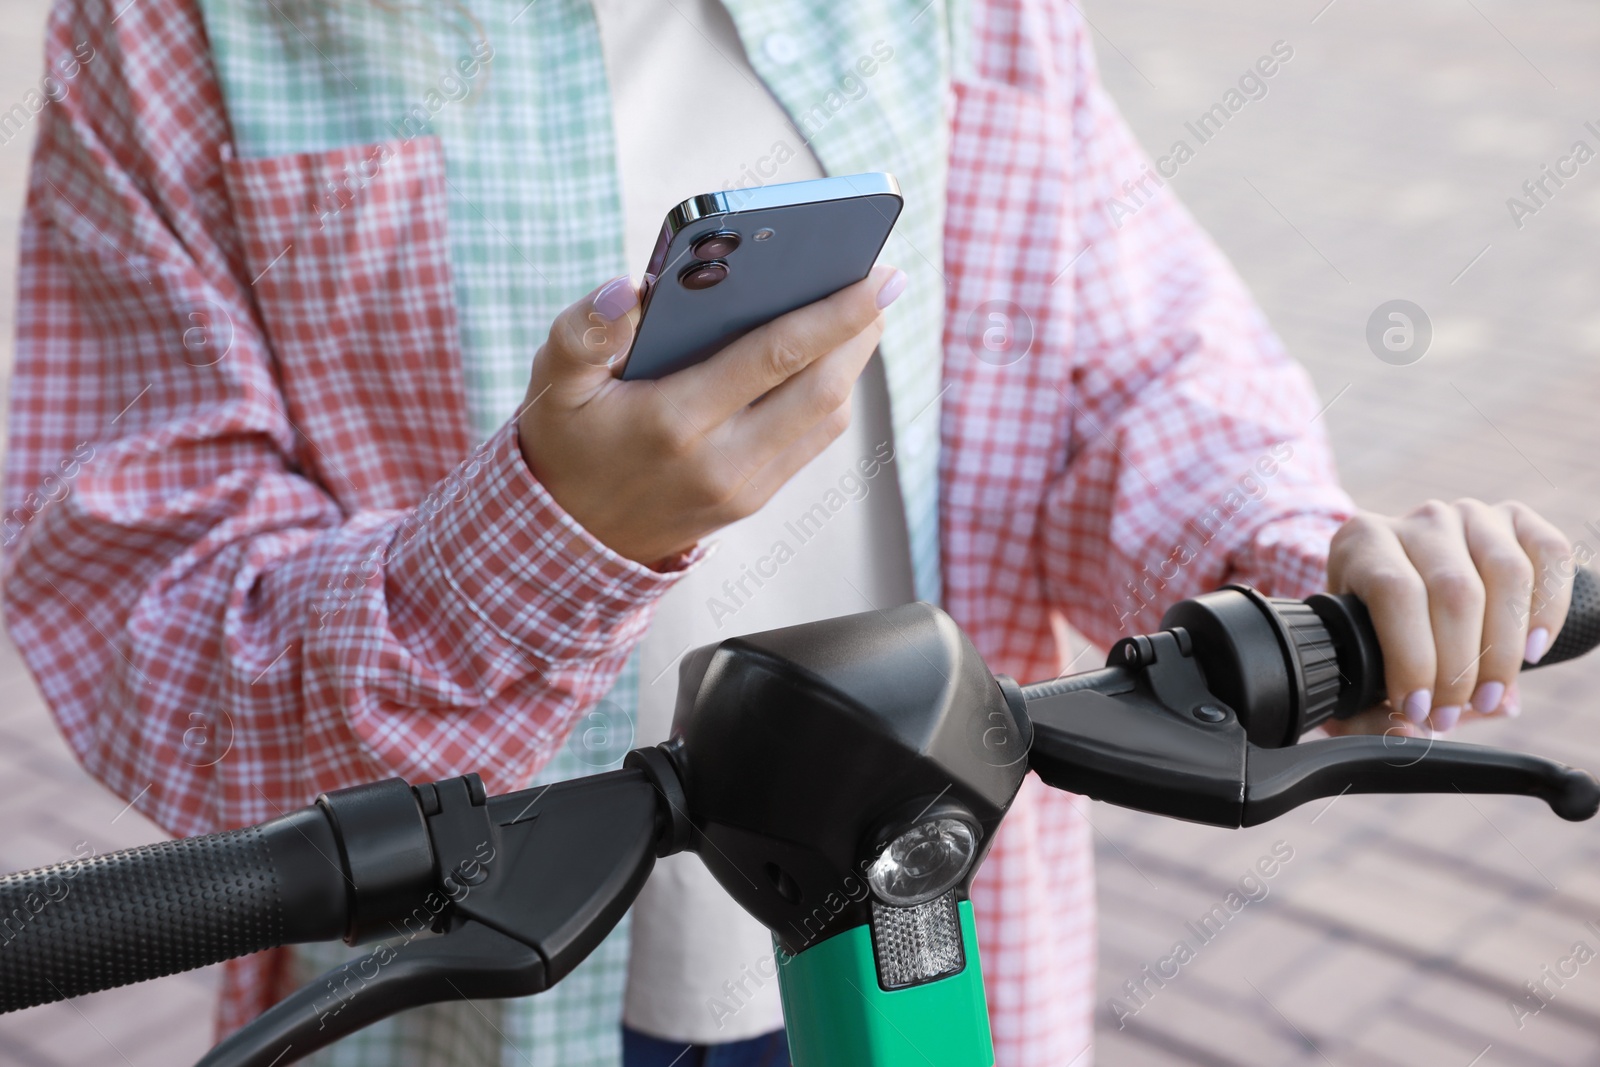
[
  {"x": 1538, "y": 644},
  {"x": 1445, "y": 718},
  {"x": 1417, "y": 705},
  {"x": 1512, "y": 709},
  {"x": 615, "y": 299},
  {"x": 1488, "y": 695},
  {"x": 892, "y": 288}
]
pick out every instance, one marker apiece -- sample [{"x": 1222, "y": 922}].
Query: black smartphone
[{"x": 728, "y": 262}]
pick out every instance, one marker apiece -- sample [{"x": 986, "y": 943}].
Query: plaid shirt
[{"x": 253, "y": 551}]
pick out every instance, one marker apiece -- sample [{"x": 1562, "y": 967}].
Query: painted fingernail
[
  {"x": 615, "y": 299},
  {"x": 892, "y": 288},
  {"x": 1417, "y": 705},
  {"x": 1538, "y": 644},
  {"x": 1445, "y": 718},
  {"x": 1488, "y": 695},
  {"x": 1512, "y": 709}
]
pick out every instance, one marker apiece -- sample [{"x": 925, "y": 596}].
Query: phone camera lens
[
  {"x": 716, "y": 245},
  {"x": 703, "y": 275}
]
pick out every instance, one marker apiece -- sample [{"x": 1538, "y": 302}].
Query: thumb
[{"x": 590, "y": 338}]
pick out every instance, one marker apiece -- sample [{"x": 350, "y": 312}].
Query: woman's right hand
[{"x": 651, "y": 467}]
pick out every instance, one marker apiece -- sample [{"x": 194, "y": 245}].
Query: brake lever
[
  {"x": 1156, "y": 732},
  {"x": 525, "y": 886},
  {"x": 1280, "y": 779},
  {"x": 469, "y": 962}
]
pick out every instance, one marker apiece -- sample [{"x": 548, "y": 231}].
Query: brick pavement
[{"x": 1376, "y": 167}]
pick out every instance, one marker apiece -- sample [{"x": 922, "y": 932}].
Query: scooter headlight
[{"x": 923, "y": 862}]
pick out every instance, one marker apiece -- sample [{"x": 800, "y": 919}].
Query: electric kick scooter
[{"x": 841, "y": 779}]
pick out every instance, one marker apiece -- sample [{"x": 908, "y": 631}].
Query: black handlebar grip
[
  {"x": 107, "y": 921},
  {"x": 1581, "y": 631},
  {"x": 1360, "y": 659}
]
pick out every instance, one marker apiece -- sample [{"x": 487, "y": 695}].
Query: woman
[{"x": 287, "y": 509}]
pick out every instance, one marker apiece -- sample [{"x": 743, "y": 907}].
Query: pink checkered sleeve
[
  {"x": 220, "y": 633},
  {"x": 1196, "y": 455}
]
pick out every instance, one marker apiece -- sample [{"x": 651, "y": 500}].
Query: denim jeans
[{"x": 642, "y": 1050}]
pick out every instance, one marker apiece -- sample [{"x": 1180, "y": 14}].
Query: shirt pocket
[{"x": 349, "y": 260}]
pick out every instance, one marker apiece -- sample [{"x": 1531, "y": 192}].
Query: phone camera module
[
  {"x": 703, "y": 275},
  {"x": 716, "y": 245}
]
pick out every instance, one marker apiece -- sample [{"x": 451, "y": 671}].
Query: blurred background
[{"x": 1377, "y": 167}]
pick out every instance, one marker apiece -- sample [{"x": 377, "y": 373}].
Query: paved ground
[{"x": 1376, "y": 167}]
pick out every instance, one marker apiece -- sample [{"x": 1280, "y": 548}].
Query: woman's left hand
[{"x": 1460, "y": 595}]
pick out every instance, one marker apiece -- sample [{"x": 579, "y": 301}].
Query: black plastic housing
[{"x": 802, "y": 749}]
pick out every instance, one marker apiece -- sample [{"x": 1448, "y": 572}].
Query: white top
[{"x": 691, "y": 117}]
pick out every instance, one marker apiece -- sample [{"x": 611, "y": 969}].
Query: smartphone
[{"x": 728, "y": 262}]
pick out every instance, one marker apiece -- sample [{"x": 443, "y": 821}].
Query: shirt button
[{"x": 781, "y": 48}]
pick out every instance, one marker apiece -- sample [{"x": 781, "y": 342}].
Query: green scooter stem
[{"x": 838, "y": 1015}]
